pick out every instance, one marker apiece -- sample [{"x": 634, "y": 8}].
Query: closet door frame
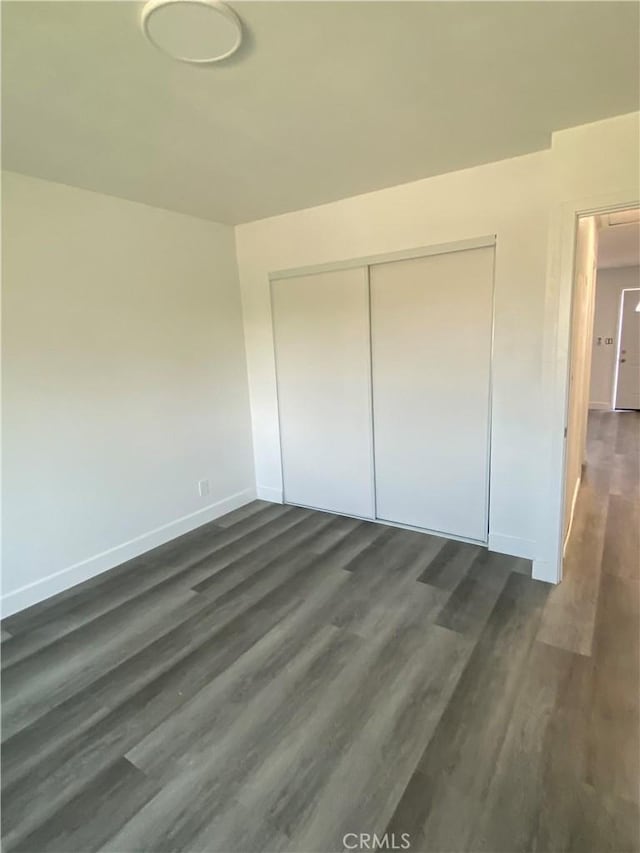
[{"x": 487, "y": 241}]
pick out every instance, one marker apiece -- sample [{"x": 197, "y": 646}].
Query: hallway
[
  {"x": 594, "y": 613},
  {"x": 558, "y": 770}
]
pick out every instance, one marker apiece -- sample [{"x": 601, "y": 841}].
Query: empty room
[{"x": 320, "y": 426}]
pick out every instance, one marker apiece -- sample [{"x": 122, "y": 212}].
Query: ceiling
[
  {"x": 619, "y": 245},
  {"x": 324, "y": 99}
]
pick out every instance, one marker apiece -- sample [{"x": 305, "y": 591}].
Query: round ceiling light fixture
[{"x": 197, "y": 31}]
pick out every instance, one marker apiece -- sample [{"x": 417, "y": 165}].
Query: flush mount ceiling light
[{"x": 197, "y": 31}]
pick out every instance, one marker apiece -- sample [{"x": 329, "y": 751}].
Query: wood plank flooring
[{"x": 282, "y": 677}]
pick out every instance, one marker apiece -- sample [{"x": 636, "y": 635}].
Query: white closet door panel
[
  {"x": 322, "y": 338},
  {"x": 431, "y": 322}
]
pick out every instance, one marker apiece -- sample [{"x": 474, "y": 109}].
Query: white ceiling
[
  {"x": 324, "y": 99},
  {"x": 619, "y": 246}
]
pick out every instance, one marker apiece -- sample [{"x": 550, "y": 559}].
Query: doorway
[{"x": 604, "y": 366}]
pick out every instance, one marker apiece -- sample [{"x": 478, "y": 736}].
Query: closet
[
  {"x": 323, "y": 357},
  {"x": 384, "y": 383}
]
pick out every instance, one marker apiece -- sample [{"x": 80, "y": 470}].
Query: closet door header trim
[{"x": 388, "y": 257}]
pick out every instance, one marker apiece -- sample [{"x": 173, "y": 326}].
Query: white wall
[
  {"x": 510, "y": 198},
  {"x": 610, "y": 284},
  {"x": 581, "y": 326},
  {"x": 124, "y": 382}
]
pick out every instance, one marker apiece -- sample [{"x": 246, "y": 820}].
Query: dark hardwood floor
[{"x": 282, "y": 677}]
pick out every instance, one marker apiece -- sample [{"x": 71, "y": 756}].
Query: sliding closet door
[
  {"x": 431, "y": 321},
  {"x": 321, "y": 326}
]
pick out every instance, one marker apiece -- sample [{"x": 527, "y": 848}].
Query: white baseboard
[
  {"x": 25, "y": 596},
  {"x": 514, "y": 546},
  {"x": 544, "y": 570},
  {"x": 602, "y": 407},
  {"x": 268, "y": 493}
]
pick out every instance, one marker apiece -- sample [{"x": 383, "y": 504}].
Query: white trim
[
  {"x": 543, "y": 570},
  {"x": 274, "y": 347},
  {"x": 600, "y": 407},
  {"x": 514, "y": 546},
  {"x": 490, "y": 400},
  {"x": 372, "y": 434},
  {"x": 59, "y": 581},
  {"x": 556, "y": 358},
  {"x": 269, "y": 493},
  {"x": 387, "y": 257},
  {"x": 572, "y": 513}
]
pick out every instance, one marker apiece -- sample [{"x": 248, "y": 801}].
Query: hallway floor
[
  {"x": 559, "y": 770},
  {"x": 282, "y": 677}
]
